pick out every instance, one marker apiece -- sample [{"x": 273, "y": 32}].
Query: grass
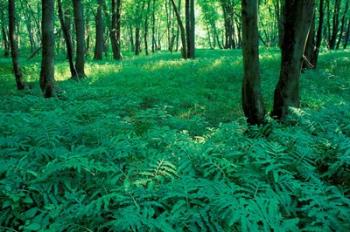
[{"x": 159, "y": 143}]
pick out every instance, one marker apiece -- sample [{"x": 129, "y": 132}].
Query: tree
[
  {"x": 80, "y": 38},
  {"x": 182, "y": 30},
  {"x": 318, "y": 42},
  {"x": 115, "y": 29},
  {"x": 48, "y": 48},
  {"x": 13, "y": 44},
  {"x": 228, "y": 13},
  {"x": 65, "y": 26},
  {"x": 99, "y": 43},
  {"x": 297, "y": 21},
  {"x": 342, "y": 33},
  {"x": 252, "y": 102},
  {"x": 335, "y": 25},
  {"x": 4, "y": 34},
  {"x": 190, "y": 28}
]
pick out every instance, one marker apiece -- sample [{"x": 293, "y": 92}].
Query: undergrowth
[{"x": 159, "y": 144}]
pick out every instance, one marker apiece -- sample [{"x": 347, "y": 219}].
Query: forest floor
[{"x": 159, "y": 143}]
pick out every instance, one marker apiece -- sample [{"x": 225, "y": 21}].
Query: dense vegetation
[
  {"x": 142, "y": 146},
  {"x": 124, "y": 120}
]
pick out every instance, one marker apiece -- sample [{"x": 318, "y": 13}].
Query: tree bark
[
  {"x": 116, "y": 29},
  {"x": 65, "y": 25},
  {"x": 310, "y": 47},
  {"x": 319, "y": 35},
  {"x": 228, "y": 12},
  {"x": 13, "y": 44},
  {"x": 182, "y": 30},
  {"x": 145, "y": 35},
  {"x": 252, "y": 102},
  {"x": 80, "y": 38},
  {"x": 335, "y": 28},
  {"x": 347, "y": 35},
  {"x": 4, "y": 35},
  {"x": 48, "y": 48},
  {"x": 154, "y": 43},
  {"x": 190, "y": 28},
  {"x": 99, "y": 43},
  {"x": 342, "y": 26},
  {"x": 297, "y": 21}
]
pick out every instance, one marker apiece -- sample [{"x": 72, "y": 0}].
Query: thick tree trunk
[
  {"x": 80, "y": 38},
  {"x": 48, "y": 48},
  {"x": 115, "y": 29},
  {"x": 252, "y": 102},
  {"x": 319, "y": 35},
  {"x": 297, "y": 21},
  {"x": 13, "y": 44},
  {"x": 99, "y": 43},
  {"x": 65, "y": 26}
]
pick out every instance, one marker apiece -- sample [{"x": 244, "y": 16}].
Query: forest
[{"x": 175, "y": 115}]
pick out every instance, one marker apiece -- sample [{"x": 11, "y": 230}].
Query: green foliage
[{"x": 140, "y": 146}]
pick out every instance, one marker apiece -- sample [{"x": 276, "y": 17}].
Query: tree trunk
[
  {"x": 342, "y": 27},
  {"x": 297, "y": 21},
  {"x": 335, "y": 29},
  {"x": 190, "y": 28},
  {"x": 252, "y": 102},
  {"x": 228, "y": 13},
  {"x": 115, "y": 29},
  {"x": 319, "y": 35},
  {"x": 80, "y": 38},
  {"x": 154, "y": 43},
  {"x": 347, "y": 36},
  {"x": 65, "y": 25},
  {"x": 145, "y": 35},
  {"x": 310, "y": 47},
  {"x": 13, "y": 44},
  {"x": 5, "y": 41},
  {"x": 182, "y": 30},
  {"x": 48, "y": 48},
  {"x": 99, "y": 43}
]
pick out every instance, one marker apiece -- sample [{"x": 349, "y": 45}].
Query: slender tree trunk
[
  {"x": 335, "y": 29},
  {"x": 48, "y": 48},
  {"x": 154, "y": 43},
  {"x": 347, "y": 36},
  {"x": 65, "y": 26},
  {"x": 145, "y": 35},
  {"x": 252, "y": 102},
  {"x": 13, "y": 44},
  {"x": 116, "y": 29},
  {"x": 342, "y": 26},
  {"x": 100, "y": 28},
  {"x": 87, "y": 33},
  {"x": 319, "y": 35},
  {"x": 182, "y": 30},
  {"x": 137, "y": 41},
  {"x": 310, "y": 47},
  {"x": 190, "y": 28},
  {"x": 297, "y": 21},
  {"x": 80, "y": 38},
  {"x": 5, "y": 41}
]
